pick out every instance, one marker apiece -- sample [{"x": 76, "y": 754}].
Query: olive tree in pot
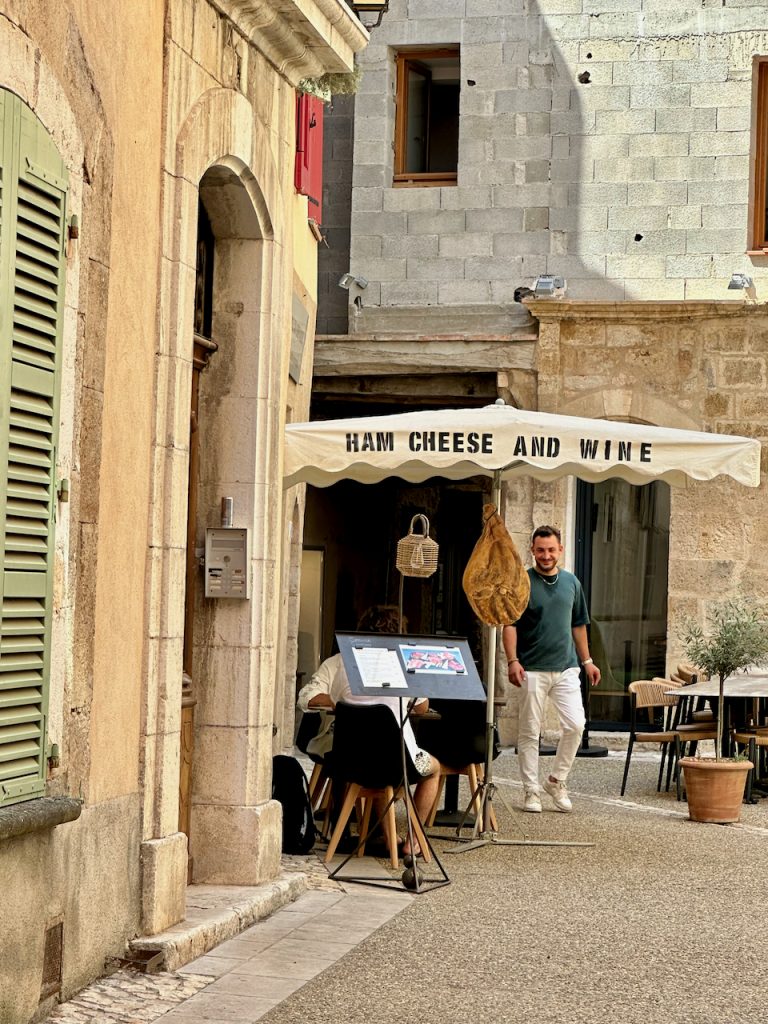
[{"x": 737, "y": 639}]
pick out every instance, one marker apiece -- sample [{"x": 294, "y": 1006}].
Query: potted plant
[{"x": 737, "y": 640}]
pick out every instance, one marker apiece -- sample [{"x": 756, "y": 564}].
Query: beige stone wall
[
  {"x": 76, "y": 69},
  {"x": 140, "y": 107},
  {"x": 693, "y": 365},
  {"x": 230, "y": 133}
]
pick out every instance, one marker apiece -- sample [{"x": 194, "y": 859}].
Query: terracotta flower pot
[{"x": 714, "y": 789}]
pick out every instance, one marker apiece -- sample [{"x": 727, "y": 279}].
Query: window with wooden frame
[
  {"x": 427, "y": 118},
  {"x": 33, "y": 192},
  {"x": 759, "y": 240}
]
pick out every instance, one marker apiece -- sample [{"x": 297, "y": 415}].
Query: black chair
[
  {"x": 457, "y": 739},
  {"x": 367, "y": 758}
]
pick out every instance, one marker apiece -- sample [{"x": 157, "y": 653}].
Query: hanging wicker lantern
[{"x": 417, "y": 553}]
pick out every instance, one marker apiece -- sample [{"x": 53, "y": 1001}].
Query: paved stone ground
[{"x": 658, "y": 922}]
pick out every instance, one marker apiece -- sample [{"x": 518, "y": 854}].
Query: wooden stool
[{"x": 355, "y": 793}]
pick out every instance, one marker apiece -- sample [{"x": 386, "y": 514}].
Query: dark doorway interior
[
  {"x": 358, "y": 527},
  {"x": 622, "y": 558}
]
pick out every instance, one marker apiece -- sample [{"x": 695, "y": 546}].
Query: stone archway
[{"x": 223, "y": 157}]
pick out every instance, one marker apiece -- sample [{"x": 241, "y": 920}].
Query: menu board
[{"x": 410, "y": 666}]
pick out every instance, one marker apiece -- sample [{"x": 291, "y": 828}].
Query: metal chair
[{"x": 755, "y": 740}]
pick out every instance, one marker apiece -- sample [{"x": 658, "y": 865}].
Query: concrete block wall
[{"x": 633, "y": 184}]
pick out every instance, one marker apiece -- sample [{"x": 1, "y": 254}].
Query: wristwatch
[{"x": 589, "y": 661}]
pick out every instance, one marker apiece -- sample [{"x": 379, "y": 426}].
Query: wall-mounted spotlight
[
  {"x": 743, "y": 282},
  {"x": 740, "y": 281},
  {"x": 548, "y": 287},
  {"x": 347, "y": 280}
]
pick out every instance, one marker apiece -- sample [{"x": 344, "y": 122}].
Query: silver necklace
[{"x": 545, "y": 580}]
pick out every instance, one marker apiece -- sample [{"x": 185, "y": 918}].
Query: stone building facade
[
  {"x": 162, "y": 270},
  {"x": 618, "y": 147}
]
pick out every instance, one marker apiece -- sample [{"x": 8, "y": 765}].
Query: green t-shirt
[{"x": 544, "y": 638}]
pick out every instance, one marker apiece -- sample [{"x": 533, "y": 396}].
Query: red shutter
[{"x": 309, "y": 152}]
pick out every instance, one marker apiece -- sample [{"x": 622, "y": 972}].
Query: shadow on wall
[{"x": 589, "y": 221}]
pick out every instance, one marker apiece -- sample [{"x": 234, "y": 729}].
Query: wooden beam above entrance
[{"x": 342, "y": 355}]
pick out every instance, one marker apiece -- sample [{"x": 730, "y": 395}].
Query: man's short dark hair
[{"x": 546, "y": 531}]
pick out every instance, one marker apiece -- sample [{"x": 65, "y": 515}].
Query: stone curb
[{"x": 206, "y": 927}]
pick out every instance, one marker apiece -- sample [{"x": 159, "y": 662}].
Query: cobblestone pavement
[{"x": 128, "y": 997}]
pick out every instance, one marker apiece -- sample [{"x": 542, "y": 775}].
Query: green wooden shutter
[{"x": 33, "y": 184}]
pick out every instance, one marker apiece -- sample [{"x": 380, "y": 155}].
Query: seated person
[{"x": 330, "y": 684}]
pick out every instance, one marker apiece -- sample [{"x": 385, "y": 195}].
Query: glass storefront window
[{"x": 622, "y": 554}]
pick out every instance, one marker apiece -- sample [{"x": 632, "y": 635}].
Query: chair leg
[
  {"x": 314, "y": 781},
  {"x": 319, "y": 795},
  {"x": 751, "y": 775},
  {"x": 670, "y": 766},
  {"x": 346, "y": 809},
  {"x": 626, "y": 763},
  {"x": 678, "y": 755},
  {"x": 661, "y": 766},
  {"x": 433, "y": 809},
  {"x": 326, "y": 805},
  {"x": 389, "y": 825},
  {"x": 418, "y": 834},
  {"x": 365, "y": 821}
]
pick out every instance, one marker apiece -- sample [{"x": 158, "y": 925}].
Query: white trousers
[{"x": 564, "y": 690}]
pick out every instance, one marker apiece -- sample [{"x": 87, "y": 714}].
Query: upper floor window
[
  {"x": 427, "y": 119},
  {"x": 759, "y": 240}
]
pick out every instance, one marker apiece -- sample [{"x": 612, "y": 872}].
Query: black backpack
[{"x": 289, "y": 787}]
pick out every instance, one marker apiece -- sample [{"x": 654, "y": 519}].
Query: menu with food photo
[{"x": 433, "y": 659}]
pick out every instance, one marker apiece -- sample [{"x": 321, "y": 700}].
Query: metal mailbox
[{"x": 226, "y": 562}]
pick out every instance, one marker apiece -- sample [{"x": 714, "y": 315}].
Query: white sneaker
[
  {"x": 532, "y": 802},
  {"x": 559, "y": 795}
]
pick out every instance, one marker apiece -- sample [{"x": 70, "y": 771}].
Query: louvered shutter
[{"x": 32, "y": 222}]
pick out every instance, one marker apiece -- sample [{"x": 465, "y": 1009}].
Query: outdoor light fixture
[
  {"x": 547, "y": 286},
  {"x": 740, "y": 281},
  {"x": 372, "y": 7},
  {"x": 347, "y": 280}
]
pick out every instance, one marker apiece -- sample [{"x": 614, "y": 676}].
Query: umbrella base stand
[
  {"x": 592, "y": 752},
  {"x": 451, "y": 816},
  {"x": 485, "y": 793},
  {"x": 586, "y": 750}
]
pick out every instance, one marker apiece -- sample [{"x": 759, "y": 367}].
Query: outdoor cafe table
[
  {"x": 741, "y": 686},
  {"x": 735, "y": 686}
]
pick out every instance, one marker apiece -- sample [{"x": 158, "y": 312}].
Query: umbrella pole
[{"x": 483, "y": 833}]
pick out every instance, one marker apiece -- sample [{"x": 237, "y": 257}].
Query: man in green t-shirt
[{"x": 544, "y": 649}]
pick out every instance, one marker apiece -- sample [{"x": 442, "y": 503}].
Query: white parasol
[
  {"x": 500, "y": 441},
  {"x": 457, "y": 443}
]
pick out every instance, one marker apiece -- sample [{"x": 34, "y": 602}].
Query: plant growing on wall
[
  {"x": 737, "y": 639},
  {"x": 332, "y": 84}
]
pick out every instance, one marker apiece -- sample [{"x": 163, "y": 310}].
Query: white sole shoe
[
  {"x": 559, "y": 795},
  {"x": 532, "y": 803}
]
